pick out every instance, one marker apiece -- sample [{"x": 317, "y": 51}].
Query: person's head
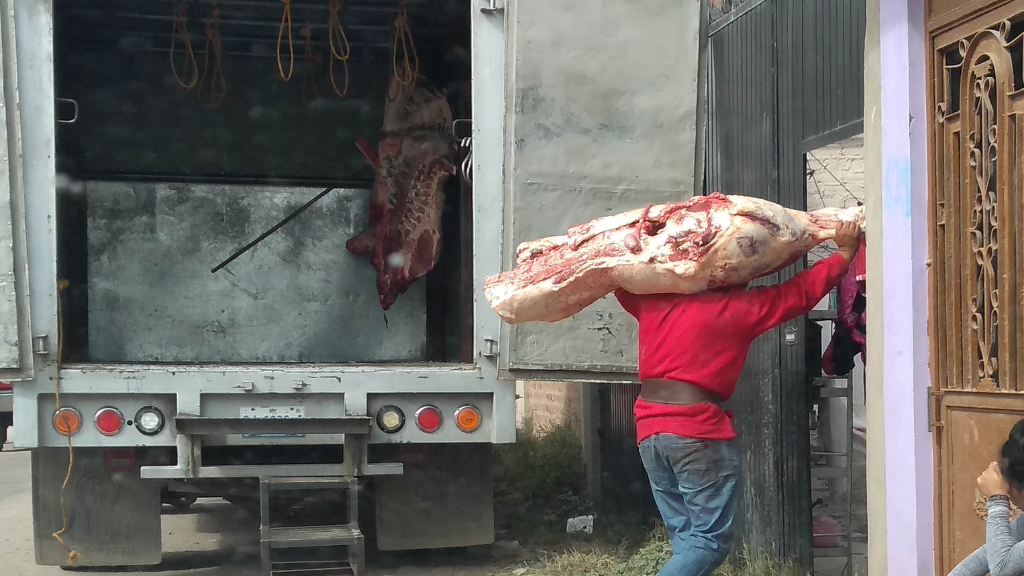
[{"x": 1011, "y": 462}]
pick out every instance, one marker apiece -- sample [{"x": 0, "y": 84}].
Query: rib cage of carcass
[
  {"x": 680, "y": 248},
  {"x": 413, "y": 161}
]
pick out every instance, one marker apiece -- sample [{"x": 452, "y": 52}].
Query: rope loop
[
  {"x": 286, "y": 23},
  {"x": 181, "y": 31}
]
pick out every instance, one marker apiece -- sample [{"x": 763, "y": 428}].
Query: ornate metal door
[{"x": 977, "y": 256}]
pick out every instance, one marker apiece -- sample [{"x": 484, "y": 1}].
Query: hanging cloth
[{"x": 850, "y": 335}]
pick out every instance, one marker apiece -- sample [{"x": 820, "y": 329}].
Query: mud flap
[
  {"x": 443, "y": 500},
  {"x": 113, "y": 515}
]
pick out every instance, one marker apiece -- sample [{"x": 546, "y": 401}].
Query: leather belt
[{"x": 664, "y": 391}]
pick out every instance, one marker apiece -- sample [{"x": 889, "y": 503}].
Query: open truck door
[
  {"x": 15, "y": 330},
  {"x": 604, "y": 113}
]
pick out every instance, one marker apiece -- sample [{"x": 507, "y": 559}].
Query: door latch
[
  {"x": 41, "y": 345},
  {"x": 490, "y": 349}
]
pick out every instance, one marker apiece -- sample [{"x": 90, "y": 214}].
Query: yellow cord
[
  {"x": 218, "y": 83},
  {"x": 73, "y": 555},
  {"x": 340, "y": 49},
  {"x": 181, "y": 29},
  {"x": 407, "y": 71},
  {"x": 286, "y": 22}
]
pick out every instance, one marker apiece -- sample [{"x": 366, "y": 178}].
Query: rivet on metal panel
[
  {"x": 299, "y": 384},
  {"x": 491, "y": 6},
  {"x": 490, "y": 348},
  {"x": 791, "y": 336},
  {"x": 41, "y": 345}
]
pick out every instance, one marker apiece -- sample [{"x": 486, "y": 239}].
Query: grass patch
[
  {"x": 539, "y": 482},
  {"x": 647, "y": 560}
]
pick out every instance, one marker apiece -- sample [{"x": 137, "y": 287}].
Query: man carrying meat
[{"x": 692, "y": 350}]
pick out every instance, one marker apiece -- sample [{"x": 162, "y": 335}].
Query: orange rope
[
  {"x": 218, "y": 88},
  {"x": 286, "y": 22},
  {"x": 408, "y": 69},
  {"x": 340, "y": 49},
  {"x": 181, "y": 30},
  {"x": 310, "y": 75}
]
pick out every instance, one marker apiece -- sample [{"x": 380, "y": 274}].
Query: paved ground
[{"x": 211, "y": 538}]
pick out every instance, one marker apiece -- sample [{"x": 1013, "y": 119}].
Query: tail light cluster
[
  {"x": 109, "y": 421},
  {"x": 428, "y": 418}
]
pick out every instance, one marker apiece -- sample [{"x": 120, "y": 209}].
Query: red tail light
[
  {"x": 109, "y": 421},
  {"x": 429, "y": 419},
  {"x": 4, "y": 386}
]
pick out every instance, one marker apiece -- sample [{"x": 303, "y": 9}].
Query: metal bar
[
  {"x": 731, "y": 17},
  {"x": 273, "y": 229},
  {"x": 849, "y": 471},
  {"x": 833, "y": 135},
  {"x": 206, "y": 426},
  {"x": 223, "y": 180}
]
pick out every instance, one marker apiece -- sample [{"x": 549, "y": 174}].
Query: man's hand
[
  {"x": 848, "y": 239},
  {"x": 991, "y": 482}
]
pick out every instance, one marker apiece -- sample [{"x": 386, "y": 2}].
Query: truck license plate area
[{"x": 270, "y": 412}]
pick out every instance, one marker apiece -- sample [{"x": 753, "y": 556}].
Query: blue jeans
[{"x": 694, "y": 484}]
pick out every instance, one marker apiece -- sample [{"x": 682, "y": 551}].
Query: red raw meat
[
  {"x": 413, "y": 162},
  {"x": 680, "y": 248}
]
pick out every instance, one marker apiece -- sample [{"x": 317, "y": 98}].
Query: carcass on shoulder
[{"x": 680, "y": 248}]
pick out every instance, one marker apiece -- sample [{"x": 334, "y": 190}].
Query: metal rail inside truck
[{"x": 125, "y": 186}]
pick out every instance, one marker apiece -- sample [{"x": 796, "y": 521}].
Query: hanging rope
[
  {"x": 181, "y": 31},
  {"x": 309, "y": 78},
  {"x": 218, "y": 87},
  {"x": 73, "y": 555},
  {"x": 406, "y": 65},
  {"x": 340, "y": 49},
  {"x": 286, "y": 23}
]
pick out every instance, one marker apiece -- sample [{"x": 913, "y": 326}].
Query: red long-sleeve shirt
[{"x": 704, "y": 338}]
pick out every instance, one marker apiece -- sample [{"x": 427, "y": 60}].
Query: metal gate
[
  {"x": 976, "y": 193},
  {"x": 785, "y": 76}
]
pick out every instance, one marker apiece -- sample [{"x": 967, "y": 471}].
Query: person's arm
[
  {"x": 778, "y": 304},
  {"x": 1004, "y": 552},
  {"x": 974, "y": 565},
  {"x": 1002, "y": 538}
]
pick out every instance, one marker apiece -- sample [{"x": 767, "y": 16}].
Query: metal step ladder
[
  {"x": 292, "y": 550},
  {"x": 836, "y": 387}
]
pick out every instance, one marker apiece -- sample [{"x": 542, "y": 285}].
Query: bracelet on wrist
[{"x": 999, "y": 499}]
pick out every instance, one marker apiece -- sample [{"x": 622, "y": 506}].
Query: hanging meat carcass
[
  {"x": 413, "y": 161},
  {"x": 679, "y": 248}
]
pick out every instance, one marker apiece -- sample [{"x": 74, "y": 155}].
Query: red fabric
[{"x": 704, "y": 338}]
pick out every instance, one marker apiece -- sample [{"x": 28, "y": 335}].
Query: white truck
[{"x": 122, "y": 191}]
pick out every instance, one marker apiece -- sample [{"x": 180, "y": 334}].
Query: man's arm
[
  {"x": 775, "y": 305},
  {"x": 778, "y": 304}
]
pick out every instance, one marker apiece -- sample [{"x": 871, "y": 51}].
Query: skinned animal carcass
[
  {"x": 413, "y": 161},
  {"x": 680, "y": 248}
]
